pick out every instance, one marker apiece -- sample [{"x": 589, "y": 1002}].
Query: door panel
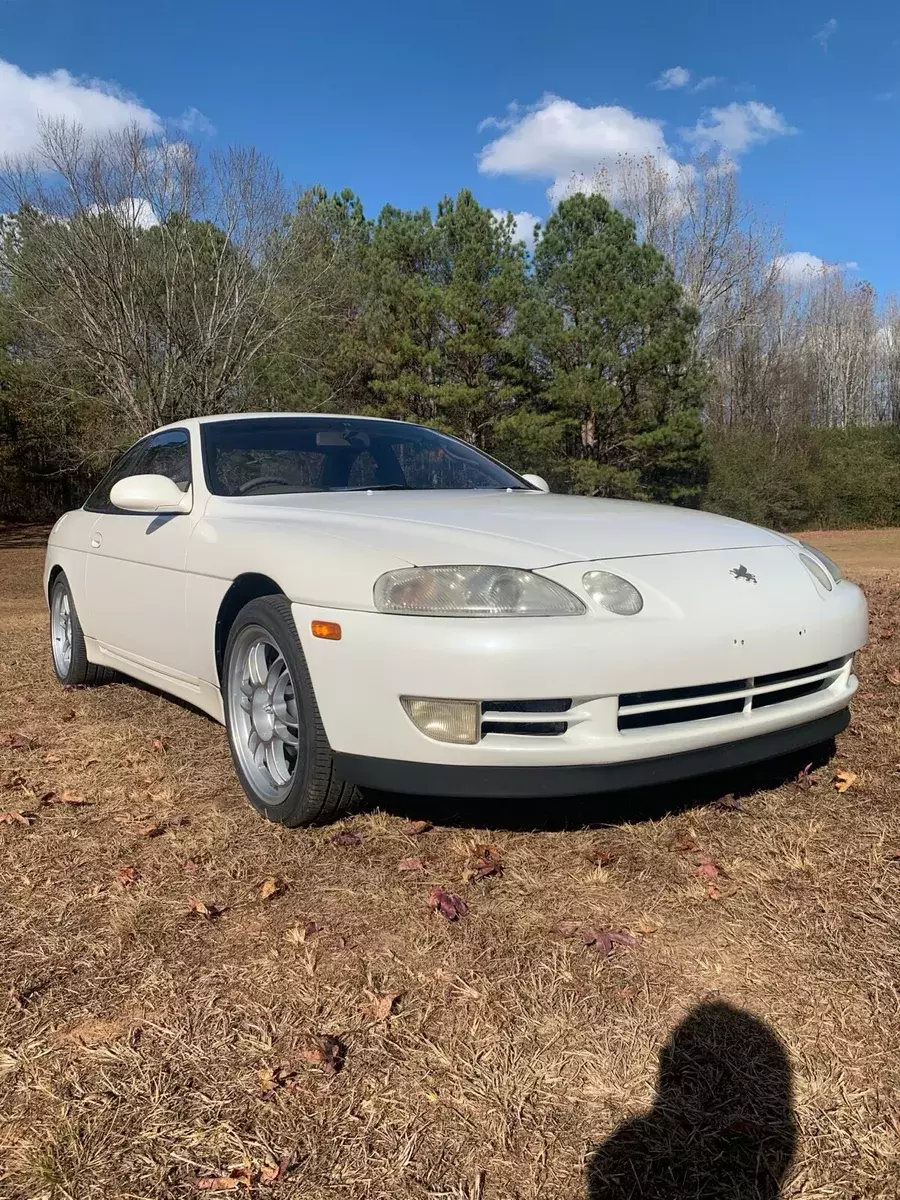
[{"x": 135, "y": 578}]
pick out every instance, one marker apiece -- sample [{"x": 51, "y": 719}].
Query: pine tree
[{"x": 619, "y": 413}]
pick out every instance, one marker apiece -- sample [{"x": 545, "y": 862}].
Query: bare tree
[{"x": 149, "y": 282}]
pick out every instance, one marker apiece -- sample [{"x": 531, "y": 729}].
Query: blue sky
[{"x": 391, "y": 99}]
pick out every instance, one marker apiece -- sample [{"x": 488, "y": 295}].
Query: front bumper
[
  {"x": 597, "y": 663},
  {"x": 537, "y": 782}
]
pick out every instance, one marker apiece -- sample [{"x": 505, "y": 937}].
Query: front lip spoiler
[{"x": 524, "y": 782}]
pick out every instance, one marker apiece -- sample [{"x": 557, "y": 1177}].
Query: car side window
[{"x": 167, "y": 453}]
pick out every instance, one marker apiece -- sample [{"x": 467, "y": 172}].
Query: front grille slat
[
  {"x": 673, "y": 706},
  {"x": 508, "y": 710}
]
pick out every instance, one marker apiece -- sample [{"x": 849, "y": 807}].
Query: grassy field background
[{"x": 182, "y": 981}]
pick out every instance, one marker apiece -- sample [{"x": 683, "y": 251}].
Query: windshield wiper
[{"x": 377, "y": 487}]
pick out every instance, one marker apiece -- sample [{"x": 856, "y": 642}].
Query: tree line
[{"x": 656, "y": 343}]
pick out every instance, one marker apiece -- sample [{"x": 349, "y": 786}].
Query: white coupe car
[{"x": 369, "y": 602}]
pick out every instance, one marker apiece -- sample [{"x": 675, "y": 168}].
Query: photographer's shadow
[{"x": 722, "y": 1126}]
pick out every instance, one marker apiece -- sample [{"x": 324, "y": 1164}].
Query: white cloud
[
  {"x": 737, "y": 127},
  {"x": 97, "y": 106},
  {"x": 559, "y": 140},
  {"x": 133, "y": 211},
  {"x": 523, "y": 227},
  {"x": 825, "y": 33},
  {"x": 673, "y": 77},
  {"x": 800, "y": 266},
  {"x": 193, "y": 121},
  {"x": 707, "y": 81}
]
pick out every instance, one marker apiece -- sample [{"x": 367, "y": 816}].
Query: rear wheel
[
  {"x": 278, "y": 744},
  {"x": 70, "y": 660}
]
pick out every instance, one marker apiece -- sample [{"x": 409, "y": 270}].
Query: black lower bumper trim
[{"x": 436, "y": 779}]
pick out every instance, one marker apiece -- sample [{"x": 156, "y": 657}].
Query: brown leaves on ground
[
  {"x": 205, "y": 908},
  {"x": 601, "y": 857},
  {"x": 708, "y": 869},
  {"x": 807, "y": 778},
  {"x": 604, "y": 940},
  {"x": 685, "y": 844},
  {"x": 17, "y": 741},
  {"x": 271, "y": 887},
  {"x": 447, "y": 904},
  {"x": 893, "y": 676},
  {"x": 17, "y": 818},
  {"x": 844, "y": 780},
  {"x": 327, "y": 1052},
  {"x": 66, "y": 797},
  {"x": 276, "y": 1079},
  {"x": 417, "y": 828},
  {"x": 155, "y": 829},
  {"x": 411, "y": 864},
  {"x": 158, "y": 745},
  {"x": 240, "y": 1177},
  {"x": 346, "y": 837},
  {"x": 483, "y": 860},
  {"x": 127, "y": 877},
  {"x": 380, "y": 1006}
]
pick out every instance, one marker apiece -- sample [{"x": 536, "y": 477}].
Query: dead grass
[{"x": 133, "y": 1032}]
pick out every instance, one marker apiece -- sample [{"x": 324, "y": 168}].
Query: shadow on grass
[
  {"x": 608, "y": 808},
  {"x": 722, "y": 1125}
]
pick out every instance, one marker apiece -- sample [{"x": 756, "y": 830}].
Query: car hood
[{"x": 517, "y": 528}]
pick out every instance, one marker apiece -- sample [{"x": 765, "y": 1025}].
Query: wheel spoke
[
  {"x": 277, "y": 672},
  {"x": 253, "y": 742},
  {"x": 285, "y": 735},
  {"x": 256, "y": 663}
]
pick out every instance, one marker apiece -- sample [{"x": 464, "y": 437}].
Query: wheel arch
[
  {"x": 247, "y": 587},
  {"x": 52, "y": 574}
]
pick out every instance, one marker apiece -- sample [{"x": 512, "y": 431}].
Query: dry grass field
[{"x": 195, "y": 1001}]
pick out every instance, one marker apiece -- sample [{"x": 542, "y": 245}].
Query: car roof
[{"x": 196, "y": 422}]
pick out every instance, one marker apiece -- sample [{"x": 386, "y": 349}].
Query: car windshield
[{"x": 278, "y": 455}]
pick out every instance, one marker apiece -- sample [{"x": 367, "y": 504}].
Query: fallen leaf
[
  {"x": 685, "y": 845},
  {"x": 893, "y": 676},
  {"x": 806, "y": 778},
  {"x": 74, "y": 687},
  {"x": 603, "y": 940},
  {"x": 844, "y": 780},
  {"x": 270, "y": 887},
  {"x": 273, "y": 1079},
  {"x": 567, "y": 928},
  {"x": 450, "y": 906},
  {"x": 66, "y": 796},
  {"x": 240, "y": 1177},
  {"x": 127, "y": 876},
  {"x": 707, "y": 869},
  {"x": 159, "y": 745},
  {"x": 328, "y": 1052},
  {"x": 411, "y": 864},
  {"x": 17, "y": 818},
  {"x": 17, "y": 741},
  {"x": 380, "y": 1006},
  {"x": 54, "y": 758},
  {"x": 11, "y": 779},
  {"x": 729, "y": 803},
  {"x": 205, "y": 909},
  {"x": 68, "y": 715},
  {"x": 153, "y": 830},
  {"x": 271, "y": 1172},
  {"x": 417, "y": 828},
  {"x": 600, "y": 857},
  {"x": 346, "y": 837},
  {"x": 712, "y": 891},
  {"x": 483, "y": 861}
]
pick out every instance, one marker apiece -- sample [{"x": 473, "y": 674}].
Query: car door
[{"x": 135, "y": 579}]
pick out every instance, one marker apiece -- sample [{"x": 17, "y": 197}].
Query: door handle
[{"x": 96, "y": 540}]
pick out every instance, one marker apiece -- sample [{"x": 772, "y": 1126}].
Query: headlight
[
  {"x": 817, "y": 571},
  {"x": 830, "y": 566},
  {"x": 473, "y": 592},
  {"x": 613, "y": 593}
]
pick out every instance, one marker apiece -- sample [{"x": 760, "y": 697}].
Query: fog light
[{"x": 454, "y": 721}]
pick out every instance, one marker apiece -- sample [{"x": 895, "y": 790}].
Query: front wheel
[{"x": 278, "y": 744}]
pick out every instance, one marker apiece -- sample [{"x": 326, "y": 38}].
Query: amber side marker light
[{"x": 330, "y": 630}]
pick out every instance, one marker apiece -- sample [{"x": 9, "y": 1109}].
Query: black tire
[
  {"x": 80, "y": 672},
  {"x": 316, "y": 793}
]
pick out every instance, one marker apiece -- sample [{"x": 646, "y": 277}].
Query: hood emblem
[{"x": 741, "y": 572}]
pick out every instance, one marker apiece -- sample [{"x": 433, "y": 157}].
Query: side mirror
[
  {"x": 537, "y": 482},
  {"x": 149, "y": 493}
]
